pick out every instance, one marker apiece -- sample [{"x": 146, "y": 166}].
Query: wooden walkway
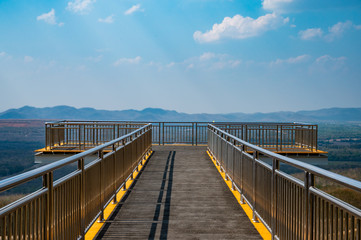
[{"x": 179, "y": 195}]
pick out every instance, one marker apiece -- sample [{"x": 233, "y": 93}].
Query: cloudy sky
[{"x": 214, "y": 56}]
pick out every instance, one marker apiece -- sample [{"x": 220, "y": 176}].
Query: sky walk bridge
[{"x": 179, "y": 181}]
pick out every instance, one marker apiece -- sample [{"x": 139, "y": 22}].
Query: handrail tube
[
  {"x": 24, "y": 177},
  {"x": 22, "y": 201},
  {"x": 349, "y": 182},
  {"x": 332, "y": 199},
  {"x": 205, "y": 122},
  {"x": 290, "y": 178}
]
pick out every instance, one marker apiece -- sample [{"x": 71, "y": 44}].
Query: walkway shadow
[{"x": 166, "y": 210}]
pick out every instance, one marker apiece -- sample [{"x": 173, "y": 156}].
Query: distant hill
[{"x": 158, "y": 114}]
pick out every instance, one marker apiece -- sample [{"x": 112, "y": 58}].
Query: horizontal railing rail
[
  {"x": 66, "y": 208},
  {"x": 276, "y": 136},
  {"x": 290, "y": 208}
]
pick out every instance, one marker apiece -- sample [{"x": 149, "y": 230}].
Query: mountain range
[{"x": 158, "y": 114}]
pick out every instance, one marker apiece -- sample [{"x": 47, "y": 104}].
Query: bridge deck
[{"x": 179, "y": 195}]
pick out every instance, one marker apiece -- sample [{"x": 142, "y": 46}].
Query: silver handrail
[
  {"x": 67, "y": 207},
  {"x": 289, "y": 208},
  {"x": 349, "y": 182},
  {"x": 27, "y": 176}
]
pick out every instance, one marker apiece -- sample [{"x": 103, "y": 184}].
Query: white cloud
[
  {"x": 292, "y": 60},
  {"x": 327, "y": 63},
  {"x": 328, "y": 58},
  {"x": 207, "y": 56},
  {"x": 5, "y": 56},
  {"x": 80, "y": 6},
  {"x": 109, "y": 19},
  {"x": 276, "y": 5},
  {"x": 334, "y": 31},
  {"x": 28, "y": 59},
  {"x": 171, "y": 64},
  {"x": 211, "y": 61},
  {"x": 120, "y": 61},
  {"x": 47, "y": 17},
  {"x": 95, "y": 59},
  {"x": 285, "y": 6},
  {"x": 337, "y": 30},
  {"x": 133, "y": 9},
  {"x": 240, "y": 27},
  {"x": 190, "y": 66},
  {"x": 310, "y": 33}
]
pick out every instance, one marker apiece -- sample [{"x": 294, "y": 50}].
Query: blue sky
[{"x": 214, "y": 56}]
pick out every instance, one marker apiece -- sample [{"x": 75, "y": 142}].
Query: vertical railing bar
[
  {"x": 82, "y": 198},
  {"x": 163, "y": 133},
  {"x": 254, "y": 184},
  {"x": 196, "y": 134},
  {"x": 275, "y": 166}
]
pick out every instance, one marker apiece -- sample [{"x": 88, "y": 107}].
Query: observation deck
[
  {"x": 298, "y": 141},
  {"x": 179, "y": 181}
]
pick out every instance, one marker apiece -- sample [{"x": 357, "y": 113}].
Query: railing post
[
  {"x": 125, "y": 182},
  {"x": 233, "y": 161},
  {"x": 159, "y": 133},
  {"x": 274, "y": 190},
  {"x": 49, "y": 216},
  {"x": 254, "y": 184},
  {"x": 101, "y": 163},
  {"x": 281, "y": 138},
  {"x": 79, "y": 138},
  {"x": 316, "y": 137},
  {"x": 47, "y": 145},
  {"x": 163, "y": 133},
  {"x": 196, "y": 133},
  {"x": 131, "y": 154},
  {"x": 82, "y": 197},
  {"x": 192, "y": 133},
  {"x": 277, "y": 138},
  {"x": 241, "y": 197},
  {"x": 114, "y": 175},
  {"x": 309, "y": 204},
  {"x": 225, "y": 161}
]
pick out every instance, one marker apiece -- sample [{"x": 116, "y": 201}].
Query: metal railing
[
  {"x": 66, "y": 208},
  {"x": 275, "y": 136},
  {"x": 290, "y": 208},
  {"x": 84, "y": 135}
]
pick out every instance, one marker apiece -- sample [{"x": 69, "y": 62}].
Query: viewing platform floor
[{"x": 179, "y": 194}]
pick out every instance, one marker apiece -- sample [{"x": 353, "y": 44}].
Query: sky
[{"x": 193, "y": 56}]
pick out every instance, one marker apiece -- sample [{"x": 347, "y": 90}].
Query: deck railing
[
  {"x": 275, "y": 136},
  {"x": 84, "y": 135},
  {"x": 66, "y": 208},
  {"x": 290, "y": 208}
]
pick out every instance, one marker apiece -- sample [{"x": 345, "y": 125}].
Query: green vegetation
[
  {"x": 16, "y": 157},
  {"x": 342, "y": 142},
  {"x": 5, "y": 200},
  {"x": 347, "y": 195}
]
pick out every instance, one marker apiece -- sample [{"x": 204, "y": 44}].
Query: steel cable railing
[
  {"x": 290, "y": 208},
  {"x": 66, "y": 208}
]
